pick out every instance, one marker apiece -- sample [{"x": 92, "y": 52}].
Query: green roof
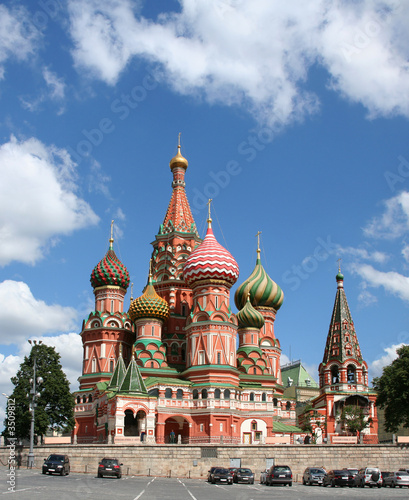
[
  {"x": 133, "y": 381},
  {"x": 280, "y": 427},
  {"x": 298, "y": 374}
]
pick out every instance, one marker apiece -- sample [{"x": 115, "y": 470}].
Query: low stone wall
[{"x": 195, "y": 461}]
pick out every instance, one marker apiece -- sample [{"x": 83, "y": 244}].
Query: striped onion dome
[
  {"x": 110, "y": 271},
  {"x": 149, "y": 305},
  {"x": 264, "y": 292},
  {"x": 248, "y": 317},
  {"x": 210, "y": 261}
]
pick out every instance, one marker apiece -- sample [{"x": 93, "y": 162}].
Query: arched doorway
[
  {"x": 175, "y": 426},
  {"x": 134, "y": 425}
]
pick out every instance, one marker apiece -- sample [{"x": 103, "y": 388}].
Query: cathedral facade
[{"x": 177, "y": 365}]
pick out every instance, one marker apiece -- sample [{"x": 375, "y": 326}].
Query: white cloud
[
  {"x": 256, "y": 53},
  {"x": 391, "y": 281},
  {"x": 18, "y": 37},
  {"x": 366, "y": 298},
  {"x": 363, "y": 253},
  {"x": 69, "y": 346},
  {"x": 376, "y": 367},
  {"x": 21, "y": 313},
  {"x": 37, "y": 199},
  {"x": 55, "y": 84},
  {"x": 394, "y": 222}
]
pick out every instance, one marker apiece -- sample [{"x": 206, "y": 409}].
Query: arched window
[
  {"x": 183, "y": 352},
  {"x": 275, "y": 402},
  {"x": 351, "y": 374},
  {"x": 226, "y": 394},
  {"x": 251, "y": 396},
  {"x": 204, "y": 394},
  {"x": 94, "y": 365},
  {"x": 111, "y": 365},
  {"x": 288, "y": 406},
  {"x": 78, "y": 400},
  {"x": 217, "y": 394},
  {"x": 90, "y": 398},
  {"x": 219, "y": 358},
  {"x": 154, "y": 392},
  {"x": 264, "y": 397},
  {"x": 84, "y": 399},
  {"x": 174, "y": 349},
  {"x": 335, "y": 374},
  {"x": 179, "y": 394},
  {"x": 168, "y": 393},
  {"x": 195, "y": 394},
  {"x": 254, "y": 370}
]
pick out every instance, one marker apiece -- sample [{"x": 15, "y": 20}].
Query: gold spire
[
  {"x": 131, "y": 292},
  {"x": 339, "y": 265},
  {"x": 111, "y": 239},
  {"x": 178, "y": 160},
  {"x": 209, "y": 218},
  {"x": 258, "y": 244}
]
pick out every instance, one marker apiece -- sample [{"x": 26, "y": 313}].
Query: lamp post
[{"x": 33, "y": 397}]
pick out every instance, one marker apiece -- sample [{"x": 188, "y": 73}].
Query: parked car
[
  {"x": 263, "y": 475},
  {"x": 400, "y": 478},
  {"x": 211, "y": 472},
  {"x": 279, "y": 474},
  {"x": 110, "y": 467},
  {"x": 244, "y": 476},
  {"x": 385, "y": 474},
  {"x": 221, "y": 475},
  {"x": 57, "y": 464},
  {"x": 313, "y": 475},
  {"x": 338, "y": 477},
  {"x": 369, "y": 476},
  {"x": 352, "y": 471}
]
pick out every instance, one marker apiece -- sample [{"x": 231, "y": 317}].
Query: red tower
[{"x": 344, "y": 373}]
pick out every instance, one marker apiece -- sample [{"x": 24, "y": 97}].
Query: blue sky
[{"x": 294, "y": 121}]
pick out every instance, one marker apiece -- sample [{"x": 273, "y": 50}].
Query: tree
[
  {"x": 393, "y": 391},
  {"x": 55, "y": 403},
  {"x": 354, "y": 419},
  {"x": 309, "y": 420}
]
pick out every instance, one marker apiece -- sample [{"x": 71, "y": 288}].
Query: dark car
[
  {"x": 211, "y": 472},
  {"x": 279, "y": 474},
  {"x": 385, "y": 474},
  {"x": 313, "y": 475},
  {"x": 221, "y": 475},
  {"x": 57, "y": 464},
  {"x": 244, "y": 476},
  {"x": 109, "y": 467},
  {"x": 338, "y": 477}
]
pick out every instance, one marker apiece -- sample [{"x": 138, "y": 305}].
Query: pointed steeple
[
  {"x": 118, "y": 375},
  {"x": 133, "y": 382},
  {"x": 178, "y": 216},
  {"x": 342, "y": 342}
]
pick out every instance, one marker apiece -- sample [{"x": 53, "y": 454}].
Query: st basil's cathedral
[{"x": 178, "y": 365}]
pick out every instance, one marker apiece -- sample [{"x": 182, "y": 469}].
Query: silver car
[{"x": 400, "y": 478}]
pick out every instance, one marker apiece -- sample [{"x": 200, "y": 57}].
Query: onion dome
[
  {"x": 210, "y": 261},
  {"x": 178, "y": 160},
  {"x": 264, "y": 292},
  {"x": 110, "y": 271},
  {"x": 248, "y": 317},
  {"x": 149, "y": 305}
]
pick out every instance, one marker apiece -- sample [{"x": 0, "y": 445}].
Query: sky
[{"x": 293, "y": 118}]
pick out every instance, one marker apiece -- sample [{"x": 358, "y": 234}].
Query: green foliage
[
  {"x": 393, "y": 391},
  {"x": 55, "y": 405},
  {"x": 354, "y": 418}
]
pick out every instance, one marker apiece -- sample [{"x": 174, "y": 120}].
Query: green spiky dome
[
  {"x": 149, "y": 305},
  {"x": 248, "y": 317},
  {"x": 110, "y": 271},
  {"x": 264, "y": 292}
]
